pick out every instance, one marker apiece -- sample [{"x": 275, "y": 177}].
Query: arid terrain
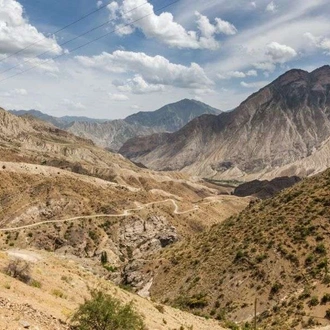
[{"x": 64, "y": 195}]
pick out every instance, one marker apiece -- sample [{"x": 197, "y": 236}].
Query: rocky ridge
[{"x": 285, "y": 122}]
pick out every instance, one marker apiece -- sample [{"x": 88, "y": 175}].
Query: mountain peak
[
  {"x": 324, "y": 68},
  {"x": 292, "y": 76}
]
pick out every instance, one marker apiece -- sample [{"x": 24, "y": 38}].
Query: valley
[{"x": 191, "y": 248}]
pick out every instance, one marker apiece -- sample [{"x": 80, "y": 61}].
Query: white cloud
[
  {"x": 280, "y": 53},
  {"x": 138, "y": 85},
  {"x": 118, "y": 97},
  {"x": 252, "y": 73},
  {"x": 155, "y": 70},
  {"x": 265, "y": 66},
  {"x": 15, "y": 92},
  {"x": 99, "y": 4},
  {"x": 41, "y": 65},
  {"x": 16, "y": 33},
  {"x": 319, "y": 42},
  {"x": 163, "y": 27},
  {"x": 122, "y": 29},
  {"x": 135, "y": 107},
  {"x": 271, "y": 7},
  {"x": 113, "y": 8},
  {"x": 19, "y": 91},
  {"x": 72, "y": 105},
  {"x": 225, "y": 27},
  {"x": 275, "y": 53},
  {"x": 253, "y": 4},
  {"x": 258, "y": 84},
  {"x": 237, "y": 74}
]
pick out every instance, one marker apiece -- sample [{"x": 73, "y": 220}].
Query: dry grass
[{"x": 65, "y": 284}]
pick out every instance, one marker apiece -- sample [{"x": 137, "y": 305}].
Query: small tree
[
  {"x": 19, "y": 269},
  {"x": 104, "y": 258},
  {"x": 103, "y": 312}
]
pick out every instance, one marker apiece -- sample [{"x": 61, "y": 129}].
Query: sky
[{"x": 127, "y": 56}]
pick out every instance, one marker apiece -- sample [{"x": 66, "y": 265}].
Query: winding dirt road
[{"x": 125, "y": 213}]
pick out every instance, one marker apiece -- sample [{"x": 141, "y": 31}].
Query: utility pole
[{"x": 255, "y": 313}]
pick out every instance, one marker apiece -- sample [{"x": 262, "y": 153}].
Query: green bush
[
  {"x": 314, "y": 301},
  {"x": 327, "y": 314},
  {"x": 103, "y": 312}
]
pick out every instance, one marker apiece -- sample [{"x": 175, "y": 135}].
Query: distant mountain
[
  {"x": 60, "y": 122},
  {"x": 288, "y": 121},
  {"x": 113, "y": 134},
  {"x": 172, "y": 117}
]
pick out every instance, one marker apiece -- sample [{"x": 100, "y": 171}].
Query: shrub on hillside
[
  {"x": 103, "y": 312},
  {"x": 19, "y": 269}
]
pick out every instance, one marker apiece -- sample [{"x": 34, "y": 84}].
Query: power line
[
  {"x": 73, "y": 39},
  {"x": 92, "y": 41},
  {"x": 55, "y": 32}
]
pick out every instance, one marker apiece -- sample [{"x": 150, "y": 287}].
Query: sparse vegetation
[
  {"x": 19, "y": 269},
  {"x": 103, "y": 312},
  {"x": 272, "y": 249}
]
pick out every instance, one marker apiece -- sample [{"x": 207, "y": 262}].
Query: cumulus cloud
[
  {"x": 163, "y": 27},
  {"x": 319, "y": 42},
  {"x": 113, "y": 7},
  {"x": 275, "y": 53},
  {"x": 237, "y": 74},
  {"x": 271, "y": 7},
  {"x": 16, "y": 33},
  {"x": 155, "y": 70},
  {"x": 118, "y": 97},
  {"x": 99, "y": 4},
  {"x": 280, "y": 53},
  {"x": 225, "y": 27},
  {"x": 138, "y": 85}
]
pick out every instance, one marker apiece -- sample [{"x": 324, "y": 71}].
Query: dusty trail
[{"x": 125, "y": 213}]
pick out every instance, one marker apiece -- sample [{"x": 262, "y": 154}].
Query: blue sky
[{"x": 216, "y": 51}]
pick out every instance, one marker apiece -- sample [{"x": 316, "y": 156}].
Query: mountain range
[
  {"x": 169, "y": 236},
  {"x": 113, "y": 134},
  {"x": 283, "y": 129}
]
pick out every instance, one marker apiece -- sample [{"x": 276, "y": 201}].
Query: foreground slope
[
  {"x": 61, "y": 283},
  {"x": 276, "y": 250},
  {"x": 284, "y": 122}
]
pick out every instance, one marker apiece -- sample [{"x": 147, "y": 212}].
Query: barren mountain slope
[
  {"x": 284, "y": 122},
  {"x": 31, "y": 140},
  {"x": 111, "y": 134},
  {"x": 56, "y": 210},
  {"x": 276, "y": 250},
  {"x": 37, "y": 141}
]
